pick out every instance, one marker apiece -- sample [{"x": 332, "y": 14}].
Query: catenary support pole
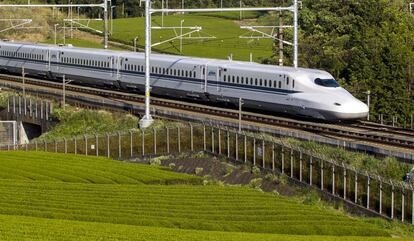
[{"x": 147, "y": 120}]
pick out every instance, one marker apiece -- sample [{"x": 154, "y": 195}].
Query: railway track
[{"x": 362, "y": 131}]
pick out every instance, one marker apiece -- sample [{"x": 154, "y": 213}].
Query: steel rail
[{"x": 337, "y": 130}]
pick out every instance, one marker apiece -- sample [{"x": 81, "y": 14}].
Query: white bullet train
[{"x": 302, "y": 92}]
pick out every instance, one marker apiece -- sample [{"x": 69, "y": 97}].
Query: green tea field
[{"x": 45, "y": 196}]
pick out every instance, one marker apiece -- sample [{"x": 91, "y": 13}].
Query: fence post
[
  {"x": 402, "y": 205},
  {"x": 191, "y": 138},
  {"x": 45, "y": 146},
  {"x": 212, "y": 139},
  {"x": 344, "y": 181},
  {"x": 168, "y": 139},
  {"x": 380, "y": 197},
  {"x": 412, "y": 206},
  {"x": 204, "y": 138},
  {"x": 179, "y": 139},
  {"x": 254, "y": 151},
  {"x": 273, "y": 156},
  {"x": 356, "y": 188},
  {"x": 300, "y": 164},
  {"x": 108, "y": 152},
  {"x": 65, "y": 145},
  {"x": 392, "y": 201},
  {"x": 219, "y": 141},
  {"x": 291, "y": 162},
  {"x": 131, "y": 145},
  {"x": 119, "y": 145},
  {"x": 143, "y": 141},
  {"x": 155, "y": 140},
  {"x": 237, "y": 146},
  {"x": 333, "y": 179},
  {"x": 368, "y": 183},
  {"x": 36, "y": 145},
  {"x": 245, "y": 148},
  {"x": 55, "y": 145},
  {"x": 26, "y": 146},
  {"x": 322, "y": 175},
  {"x": 228, "y": 143},
  {"x": 310, "y": 169},
  {"x": 283, "y": 159},
  {"x": 86, "y": 145},
  {"x": 263, "y": 155},
  {"x": 97, "y": 145},
  {"x": 76, "y": 145}
]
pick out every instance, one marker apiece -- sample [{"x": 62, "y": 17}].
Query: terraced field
[{"x": 45, "y": 196}]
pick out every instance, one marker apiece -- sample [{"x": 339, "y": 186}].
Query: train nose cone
[{"x": 354, "y": 110}]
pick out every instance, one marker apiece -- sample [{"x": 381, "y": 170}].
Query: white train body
[{"x": 302, "y": 92}]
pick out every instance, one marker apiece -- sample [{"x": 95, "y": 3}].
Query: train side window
[
  {"x": 293, "y": 83},
  {"x": 261, "y": 82},
  {"x": 242, "y": 80},
  {"x": 237, "y": 79},
  {"x": 280, "y": 84},
  {"x": 233, "y": 78},
  {"x": 194, "y": 74},
  {"x": 287, "y": 81},
  {"x": 265, "y": 82},
  {"x": 255, "y": 81}
]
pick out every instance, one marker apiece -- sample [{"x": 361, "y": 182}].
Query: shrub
[
  {"x": 281, "y": 179},
  {"x": 256, "y": 171},
  {"x": 270, "y": 177},
  {"x": 256, "y": 183},
  {"x": 229, "y": 170},
  {"x": 155, "y": 162},
  {"x": 171, "y": 165},
  {"x": 311, "y": 198},
  {"x": 198, "y": 170}
]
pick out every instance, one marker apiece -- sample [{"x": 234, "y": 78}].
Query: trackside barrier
[{"x": 385, "y": 198}]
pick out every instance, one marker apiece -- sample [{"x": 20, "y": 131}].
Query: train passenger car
[{"x": 297, "y": 91}]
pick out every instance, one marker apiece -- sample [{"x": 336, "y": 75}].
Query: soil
[{"x": 221, "y": 170}]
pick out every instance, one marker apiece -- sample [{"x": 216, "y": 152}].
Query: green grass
[
  {"x": 227, "y": 33},
  {"x": 74, "y": 121},
  {"x": 41, "y": 166},
  {"x": 30, "y": 228},
  {"x": 180, "y": 206},
  {"x": 48, "y": 196}
]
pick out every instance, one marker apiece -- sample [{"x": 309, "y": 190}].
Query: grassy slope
[
  {"x": 68, "y": 188},
  {"x": 39, "y": 166},
  {"x": 227, "y": 33}
]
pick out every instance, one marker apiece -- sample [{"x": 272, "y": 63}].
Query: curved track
[{"x": 363, "y": 131}]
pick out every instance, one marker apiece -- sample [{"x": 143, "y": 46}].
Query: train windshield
[{"x": 327, "y": 83}]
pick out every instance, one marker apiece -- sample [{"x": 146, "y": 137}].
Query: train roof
[{"x": 241, "y": 65}]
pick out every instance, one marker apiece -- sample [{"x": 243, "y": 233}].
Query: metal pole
[
  {"x": 147, "y": 120},
  {"x": 64, "y": 33},
  {"x": 56, "y": 33},
  {"x": 112, "y": 19},
  {"x": 24, "y": 82},
  {"x": 295, "y": 33},
  {"x": 240, "y": 113},
  {"x": 105, "y": 27},
  {"x": 181, "y": 36},
  {"x": 368, "y": 101},
  {"x": 162, "y": 14},
  {"x": 135, "y": 44},
  {"x": 64, "y": 92}
]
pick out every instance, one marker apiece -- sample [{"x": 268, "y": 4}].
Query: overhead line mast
[{"x": 147, "y": 120}]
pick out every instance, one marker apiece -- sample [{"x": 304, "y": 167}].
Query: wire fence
[{"x": 385, "y": 198}]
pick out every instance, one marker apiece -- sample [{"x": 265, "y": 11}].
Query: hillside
[{"x": 90, "y": 198}]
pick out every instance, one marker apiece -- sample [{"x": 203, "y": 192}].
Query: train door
[{"x": 203, "y": 76}]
